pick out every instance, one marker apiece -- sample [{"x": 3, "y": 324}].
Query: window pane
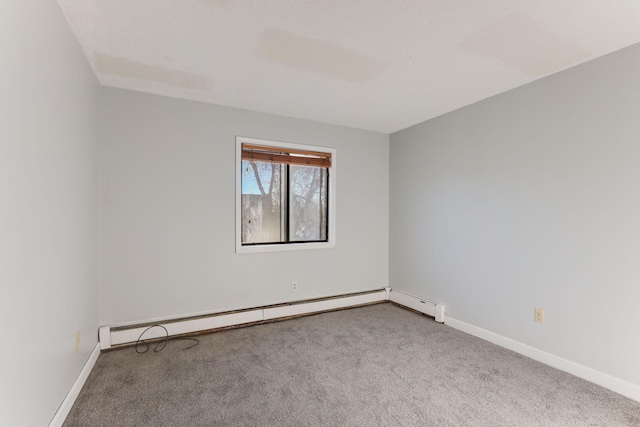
[
  {"x": 261, "y": 207},
  {"x": 307, "y": 203}
]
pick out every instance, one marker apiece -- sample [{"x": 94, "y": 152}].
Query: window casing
[{"x": 285, "y": 196}]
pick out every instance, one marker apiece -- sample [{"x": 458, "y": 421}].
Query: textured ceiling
[{"x": 381, "y": 65}]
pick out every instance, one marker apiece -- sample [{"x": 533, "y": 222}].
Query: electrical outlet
[
  {"x": 294, "y": 286},
  {"x": 538, "y": 315},
  {"x": 78, "y": 341}
]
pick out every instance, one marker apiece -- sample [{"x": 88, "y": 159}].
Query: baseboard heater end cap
[
  {"x": 440, "y": 313},
  {"x": 104, "y": 336}
]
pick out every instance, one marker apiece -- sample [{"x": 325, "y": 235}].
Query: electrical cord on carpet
[{"x": 161, "y": 344}]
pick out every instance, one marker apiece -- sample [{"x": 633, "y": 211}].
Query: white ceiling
[{"x": 380, "y": 65}]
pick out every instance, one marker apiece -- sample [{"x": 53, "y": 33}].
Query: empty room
[{"x": 306, "y": 213}]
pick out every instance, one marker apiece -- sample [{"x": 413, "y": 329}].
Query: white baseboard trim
[
  {"x": 111, "y": 336},
  {"x": 72, "y": 395},
  {"x": 625, "y": 388}
]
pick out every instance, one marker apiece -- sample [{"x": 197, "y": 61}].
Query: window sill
[{"x": 240, "y": 249}]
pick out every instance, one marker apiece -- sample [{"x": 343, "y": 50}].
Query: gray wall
[
  {"x": 48, "y": 210},
  {"x": 168, "y": 211},
  {"x": 531, "y": 199}
]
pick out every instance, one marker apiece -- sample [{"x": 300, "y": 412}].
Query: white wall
[
  {"x": 48, "y": 210},
  {"x": 168, "y": 211},
  {"x": 531, "y": 199}
]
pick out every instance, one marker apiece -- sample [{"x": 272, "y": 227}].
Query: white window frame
[{"x": 331, "y": 232}]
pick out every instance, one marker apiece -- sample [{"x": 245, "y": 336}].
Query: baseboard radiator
[
  {"x": 119, "y": 336},
  {"x": 427, "y": 307}
]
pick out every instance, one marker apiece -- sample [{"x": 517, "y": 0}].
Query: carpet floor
[{"x": 377, "y": 365}]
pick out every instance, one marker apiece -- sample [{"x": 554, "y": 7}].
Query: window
[{"x": 285, "y": 196}]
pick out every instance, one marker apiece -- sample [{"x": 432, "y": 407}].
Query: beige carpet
[{"x": 371, "y": 366}]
